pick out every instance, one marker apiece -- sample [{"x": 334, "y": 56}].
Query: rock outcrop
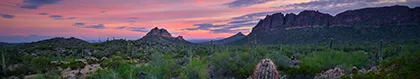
[
  {"x": 310, "y": 18},
  {"x": 377, "y": 16},
  {"x": 335, "y": 73},
  {"x": 159, "y": 32},
  {"x": 306, "y": 18},
  {"x": 391, "y": 22},
  {"x": 367, "y": 16},
  {"x": 163, "y": 36}
]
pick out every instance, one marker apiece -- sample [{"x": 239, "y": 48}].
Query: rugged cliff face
[
  {"x": 159, "y": 32},
  {"x": 307, "y": 18},
  {"x": 377, "y": 16},
  {"x": 367, "y": 17},
  {"x": 163, "y": 36},
  {"x": 391, "y": 22}
]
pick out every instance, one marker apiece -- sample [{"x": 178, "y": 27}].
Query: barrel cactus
[{"x": 265, "y": 69}]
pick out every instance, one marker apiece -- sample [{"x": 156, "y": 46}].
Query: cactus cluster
[{"x": 265, "y": 69}]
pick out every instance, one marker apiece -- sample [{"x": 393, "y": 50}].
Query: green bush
[
  {"x": 301, "y": 72},
  {"x": 111, "y": 62},
  {"x": 330, "y": 59},
  {"x": 279, "y": 59},
  {"x": 40, "y": 64},
  {"x": 405, "y": 66},
  {"x": 163, "y": 66},
  {"x": 221, "y": 64},
  {"x": 197, "y": 69},
  {"x": 53, "y": 74},
  {"x": 122, "y": 70},
  {"x": 234, "y": 64},
  {"x": 103, "y": 74},
  {"x": 126, "y": 70}
]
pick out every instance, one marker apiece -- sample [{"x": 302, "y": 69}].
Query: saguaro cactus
[
  {"x": 212, "y": 46},
  {"x": 130, "y": 48},
  {"x": 253, "y": 47},
  {"x": 265, "y": 69},
  {"x": 3, "y": 62},
  {"x": 381, "y": 50},
  {"x": 331, "y": 43}
]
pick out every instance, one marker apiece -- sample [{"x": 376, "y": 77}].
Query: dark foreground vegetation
[{"x": 121, "y": 59}]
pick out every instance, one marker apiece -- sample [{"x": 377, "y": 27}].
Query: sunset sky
[{"x": 32, "y": 20}]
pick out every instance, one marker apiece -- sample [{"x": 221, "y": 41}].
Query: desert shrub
[
  {"x": 234, "y": 64},
  {"x": 221, "y": 64},
  {"x": 126, "y": 70},
  {"x": 77, "y": 64},
  {"x": 197, "y": 69},
  {"x": 329, "y": 59},
  {"x": 163, "y": 66},
  {"x": 40, "y": 64},
  {"x": 38, "y": 76},
  {"x": 53, "y": 74},
  {"x": 286, "y": 50},
  {"x": 279, "y": 59},
  {"x": 111, "y": 62},
  {"x": 405, "y": 66},
  {"x": 201, "y": 51},
  {"x": 318, "y": 61},
  {"x": 301, "y": 72},
  {"x": 245, "y": 64},
  {"x": 122, "y": 70},
  {"x": 368, "y": 75},
  {"x": 92, "y": 60},
  {"x": 103, "y": 74}
]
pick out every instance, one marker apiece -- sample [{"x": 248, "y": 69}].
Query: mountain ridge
[
  {"x": 230, "y": 39},
  {"x": 396, "y": 21}
]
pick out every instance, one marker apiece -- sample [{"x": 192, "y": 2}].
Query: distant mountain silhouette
[
  {"x": 163, "y": 36},
  {"x": 59, "y": 42},
  {"x": 230, "y": 39},
  {"x": 4, "y": 44},
  {"x": 309, "y": 26},
  {"x": 204, "y": 40}
]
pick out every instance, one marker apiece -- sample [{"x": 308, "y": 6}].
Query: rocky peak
[
  {"x": 180, "y": 38},
  {"x": 311, "y": 18},
  {"x": 239, "y": 34},
  {"x": 163, "y": 36},
  {"x": 289, "y": 19},
  {"x": 308, "y": 12},
  {"x": 159, "y": 32},
  {"x": 311, "y": 12},
  {"x": 164, "y": 33},
  {"x": 271, "y": 21},
  {"x": 278, "y": 20}
]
